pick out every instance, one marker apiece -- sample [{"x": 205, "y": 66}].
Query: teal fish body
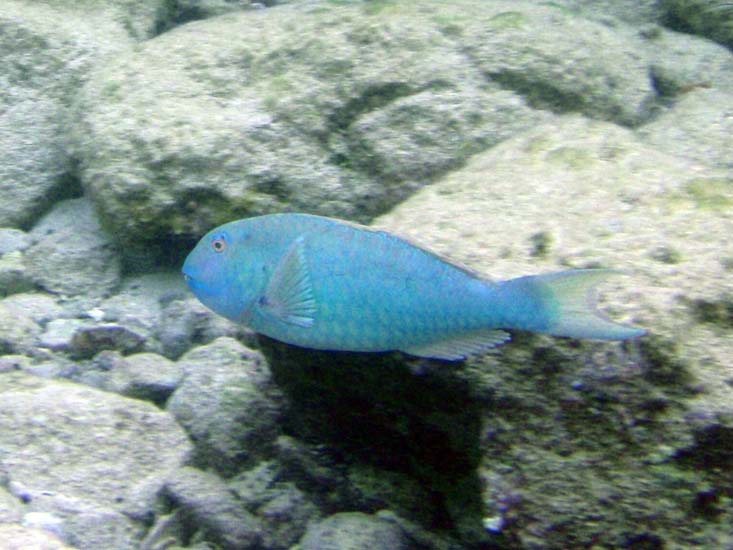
[{"x": 322, "y": 283}]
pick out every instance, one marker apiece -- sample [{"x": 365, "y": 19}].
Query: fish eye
[{"x": 219, "y": 244}]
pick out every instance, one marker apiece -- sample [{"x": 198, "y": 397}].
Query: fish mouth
[{"x": 190, "y": 280}]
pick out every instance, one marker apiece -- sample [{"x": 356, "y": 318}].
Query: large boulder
[
  {"x": 599, "y": 443},
  {"x": 46, "y": 51},
  {"x": 700, "y": 127},
  {"x": 228, "y": 404},
  {"x": 85, "y": 462},
  {"x": 71, "y": 254},
  {"x": 341, "y": 110},
  {"x": 712, "y": 19}
]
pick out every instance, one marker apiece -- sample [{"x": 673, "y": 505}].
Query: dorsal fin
[{"x": 461, "y": 346}]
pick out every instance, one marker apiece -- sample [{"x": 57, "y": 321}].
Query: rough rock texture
[
  {"x": 205, "y": 497},
  {"x": 710, "y": 18},
  {"x": 10, "y": 507},
  {"x": 358, "y": 108},
  {"x": 582, "y": 443},
  {"x": 83, "y": 455},
  {"x": 18, "y": 331},
  {"x": 145, "y": 376},
  {"x": 71, "y": 254},
  {"x": 683, "y": 63},
  {"x": 355, "y": 531},
  {"x": 46, "y": 50},
  {"x": 700, "y": 127},
  {"x": 228, "y": 405},
  {"x": 16, "y": 537},
  {"x": 169, "y": 126}
]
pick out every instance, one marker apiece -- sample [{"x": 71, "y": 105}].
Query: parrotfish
[{"x": 322, "y": 283}]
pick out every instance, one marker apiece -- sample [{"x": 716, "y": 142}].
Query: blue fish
[{"x": 322, "y": 283}]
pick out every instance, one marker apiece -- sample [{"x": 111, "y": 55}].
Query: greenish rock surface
[
  {"x": 700, "y": 127},
  {"x": 355, "y": 531},
  {"x": 337, "y": 108},
  {"x": 27, "y": 537},
  {"x": 46, "y": 50},
  {"x": 206, "y": 497},
  {"x": 168, "y": 125},
  {"x": 606, "y": 444},
  {"x": 709, "y": 18}
]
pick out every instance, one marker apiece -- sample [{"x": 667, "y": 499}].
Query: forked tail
[{"x": 563, "y": 304}]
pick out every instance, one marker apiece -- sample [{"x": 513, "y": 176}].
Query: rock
[
  {"x": 376, "y": 104},
  {"x": 146, "y": 376},
  {"x": 510, "y": 48},
  {"x": 355, "y": 531},
  {"x": 52, "y": 367},
  {"x": 39, "y": 306},
  {"x": 33, "y": 163},
  {"x": 711, "y": 19},
  {"x": 699, "y": 127},
  {"x": 228, "y": 404},
  {"x": 47, "y": 49},
  {"x": 682, "y": 63},
  {"x": 18, "y": 330},
  {"x": 11, "y": 509},
  {"x": 140, "y": 298},
  {"x": 87, "y": 341},
  {"x": 10, "y": 363},
  {"x": 80, "y": 454},
  {"x": 50, "y": 523},
  {"x": 214, "y": 509},
  {"x": 139, "y": 304},
  {"x": 59, "y": 333},
  {"x": 14, "y": 275},
  {"x": 103, "y": 528},
  {"x": 282, "y": 508},
  {"x": 16, "y": 537},
  {"x": 609, "y": 12},
  {"x": 605, "y": 429},
  {"x": 186, "y": 323},
  {"x": 13, "y": 240},
  {"x": 72, "y": 255},
  {"x": 285, "y": 517}
]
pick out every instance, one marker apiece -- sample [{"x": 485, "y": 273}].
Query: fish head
[{"x": 222, "y": 272}]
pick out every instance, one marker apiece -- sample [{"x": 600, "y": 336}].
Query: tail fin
[{"x": 571, "y": 299}]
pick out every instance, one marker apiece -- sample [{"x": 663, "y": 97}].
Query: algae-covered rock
[
  {"x": 16, "y": 536},
  {"x": 699, "y": 127},
  {"x": 709, "y": 18},
  {"x": 599, "y": 443},
  {"x": 215, "y": 510},
  {"x": 339, "y": 108},
  {"x": 228, "y": 404},
  {"x": 71, "y": 254},
  {"x": 356, "y": 531},
  {"x": 82, "y": 455},
  {"x": 46, "y": 50}
]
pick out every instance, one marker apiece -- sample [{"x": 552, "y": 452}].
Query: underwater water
[{"x": 511, "y": 138}]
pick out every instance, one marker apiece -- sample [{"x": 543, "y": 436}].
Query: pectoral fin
[
  {"x": 460, "y": 347},
  {"x": 289, "y": 294}
]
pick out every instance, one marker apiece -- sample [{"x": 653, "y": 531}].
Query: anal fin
[{"x": 461, "y": 346}]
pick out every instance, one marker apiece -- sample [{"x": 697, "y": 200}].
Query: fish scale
[{"x": 323, "y": 283}]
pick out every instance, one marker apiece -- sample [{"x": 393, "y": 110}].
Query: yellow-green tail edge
[{"x": 571, "y": 297}]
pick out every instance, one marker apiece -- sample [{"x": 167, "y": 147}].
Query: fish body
[{"x": 322, "y": 283}]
